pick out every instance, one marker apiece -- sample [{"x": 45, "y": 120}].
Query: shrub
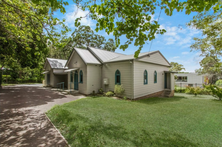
[
  {"x": 109, "y": 93},
  {"x": 19, "y": 80},
  {"x": 215, "y": 91},
  {"x": 196, "y": 91},
  {"x": 100, "y": 91},
  {"x": 125, "y": 98},
  {"x": 218, "y": 83},
  {"x": 205, "y": 91},
  {"x": 119, "y": 90}
]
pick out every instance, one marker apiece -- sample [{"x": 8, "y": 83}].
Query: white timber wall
[
  {"x": 77, "y": 62},
  {"x": 192, "y": 78},
  {"x": 172, "y": 81},
  {"x": 125, "y": 68},
  {"x": 156, "y": 58},
  {"x": 48, "y": 68},
  {"x": 139, "y": 88},
  {"x": 52, "y": 78},
  {"x": 94, "y": 78}
]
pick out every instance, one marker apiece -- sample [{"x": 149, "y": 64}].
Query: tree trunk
[{"x": 0, "y": 78}]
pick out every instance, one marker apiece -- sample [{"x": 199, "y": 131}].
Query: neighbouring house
[
  {"x": 88, "y": 70},
  {"x": 190, "y": 79}
]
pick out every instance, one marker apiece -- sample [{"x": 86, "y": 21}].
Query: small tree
[{"x": 215, "y": 91}]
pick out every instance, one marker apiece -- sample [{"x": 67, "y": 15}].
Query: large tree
[
  {"x": 25, "y": 29},
  {"x": 210, "y": 44},
  {"x": 132, "y": 19},
  {"x": 176, "y": 66},
  {"x": 83, "y": 37}
]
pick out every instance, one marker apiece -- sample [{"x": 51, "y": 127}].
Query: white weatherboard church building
[{"x": 90, "y": 69}]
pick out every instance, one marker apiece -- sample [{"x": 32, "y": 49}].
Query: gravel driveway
[{"x": 22, "y": 118}]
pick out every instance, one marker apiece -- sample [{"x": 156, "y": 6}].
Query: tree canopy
[
  {"x": 26, "y": 27},
  {"x": 132, "y": 19},
  {"x": 176, "y": 66},
  {"x": 83, "y": 37},
  {"x": 209, "y": 45}
]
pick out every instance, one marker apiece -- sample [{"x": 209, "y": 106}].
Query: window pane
[{"x": 117, "y": 79}]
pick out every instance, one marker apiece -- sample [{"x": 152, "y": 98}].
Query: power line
[{"x": 157, "y": 22}]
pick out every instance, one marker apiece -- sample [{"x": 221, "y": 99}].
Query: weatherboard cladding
[{"x": 56, "y": 63}]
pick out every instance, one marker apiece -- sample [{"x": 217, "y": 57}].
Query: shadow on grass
[
  {"x": 81, "y": 131},
  {"x": 156, "y": 100}
]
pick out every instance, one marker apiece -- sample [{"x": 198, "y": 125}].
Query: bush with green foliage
[
  {"x": 196, "y": 90},
  {"x": 215, "y": 91},
  {"x": 218, "y": 83},
  {"x": 177, "y": 89},
  {"x": 119, "y": 90},
  {"x": 100, "y": 91},
  {"x": 125, "y": 98},
  {"x": 109, "y": 93}
]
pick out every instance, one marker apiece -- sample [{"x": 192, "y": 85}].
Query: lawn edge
[{"x": 57, "y": 130}]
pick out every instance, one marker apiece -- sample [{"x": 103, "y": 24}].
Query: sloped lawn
[{"x": 184, "y": 120}]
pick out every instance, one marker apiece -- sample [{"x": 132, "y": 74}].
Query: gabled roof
[
  {"x": 56, "y": 63},
  {"x": 104, "y": 55},
  {"x": 86, "y": 56},
  {"x": 108, "y": 56},
  {"x": 129, "y": 57}
]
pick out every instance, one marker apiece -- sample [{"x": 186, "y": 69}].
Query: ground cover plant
[{"x": 184, "y": 120}]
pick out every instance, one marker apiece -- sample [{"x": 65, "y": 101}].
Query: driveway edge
[{"x": 57, "y": 130}]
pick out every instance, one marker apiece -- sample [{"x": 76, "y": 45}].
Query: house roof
[
  {"x": 86, "y": 56},
  {"x": 93, "y": 55},
  {"x": 129, "y": 57},
  {"x": 104, "y": 55},
  {"x": 57, "y": 63}
]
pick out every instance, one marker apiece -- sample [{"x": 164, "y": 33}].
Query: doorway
[
  {"x": 48, "y": 79},
  {"x": 165, "y": 81},
  {"x": 76, "y": 85}
]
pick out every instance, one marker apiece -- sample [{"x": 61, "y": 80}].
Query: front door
[
  {"x": 48, "y": 79},
  {"x": 165, "y": 81},
  {"x": 76, "y": 86}
]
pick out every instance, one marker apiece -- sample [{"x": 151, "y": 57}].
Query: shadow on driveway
[{"x": 22, "y": 118}]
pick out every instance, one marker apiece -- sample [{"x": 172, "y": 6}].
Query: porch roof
[
  {"x": 170, "y": 72},
  {"x": 45, "y": 72},
  {"x": 69, "y": 70}
]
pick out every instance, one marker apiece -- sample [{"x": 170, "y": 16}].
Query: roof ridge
[{"x": 106, "y": 50}]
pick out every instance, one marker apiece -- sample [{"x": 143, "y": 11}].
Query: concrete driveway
[{"x": 22, "y": 118}]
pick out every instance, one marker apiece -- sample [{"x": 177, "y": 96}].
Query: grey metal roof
[
  {"x": 56, "y": 63},
  {"x": 69, "y": 70},
  {"x": 104, "y": 55},
  {"x": 129, "y": 57},
  {"x": 87, "y": 56}
]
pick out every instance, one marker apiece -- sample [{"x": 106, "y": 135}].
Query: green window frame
[
  {"x": 118, "y": 77},
  {"x": 155, "y": 77},
  {"x": 145, "y": 79},
  {"x": 80, "y": 76},
  {"x": 71, "y": 76}
]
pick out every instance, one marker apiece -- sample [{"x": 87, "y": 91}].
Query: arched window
[
  {"x": 145, "y": 79},
  {"x": 118, "y": 77},
  {"x": 81, "y": 77},
  {"x": 71, "y": 76},
  {"x": 155, "y": 77}
]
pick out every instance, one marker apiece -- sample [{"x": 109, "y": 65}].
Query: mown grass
[{"x": 178, "y": 121}]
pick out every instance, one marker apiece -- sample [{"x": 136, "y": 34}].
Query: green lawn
[{"x": 183, "y": 120}]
